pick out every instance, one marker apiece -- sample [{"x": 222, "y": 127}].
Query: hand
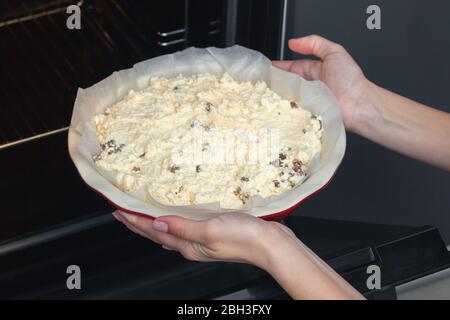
[
  {"x": 336, "y": 68},
  {"x": 235, "y": 237},
  {"x": 239, "y": 237}
]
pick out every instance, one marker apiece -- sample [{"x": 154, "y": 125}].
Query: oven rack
[{"x": 44, "y": 63}]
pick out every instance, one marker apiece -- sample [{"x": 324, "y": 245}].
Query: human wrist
[
  {"x": 366, "y": 113},
  {"x": 272, "y": 248}
]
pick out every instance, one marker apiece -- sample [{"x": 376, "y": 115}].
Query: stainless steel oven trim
[
  {"x": 54, "y": 233},
  {"x": 283, "y": 30},
  {"x": 169, "y": 43},
  {"x": 231, "y": 13},
  {"x": 32, "y": 16},
  {"x": 171, "y": 33},
  {"x": 38, "y": 136}
]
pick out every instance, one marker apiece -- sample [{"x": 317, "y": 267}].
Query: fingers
[
  {"x": 183, "y": 228},
  {"x": 158, "y": 231},
  {"x": 285, "y": 65},
  {"x": 121, "y": 218},
  {"x": 144, "y": 227},
  {"x": 178, "y": 227},
  {"x": 310, "y": 45},
  {"x": 314, "y": 45},
  {"x": 308, "y": 69}
]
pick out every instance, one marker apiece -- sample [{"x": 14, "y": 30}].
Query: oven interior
[{"x": 44, "y": 62}]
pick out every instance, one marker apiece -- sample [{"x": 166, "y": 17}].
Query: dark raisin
[
  {"x": 173, "y": 168},
  {"x": 314, "y": 116},
  {"x": 276, "y": 183},
  {"x": 180, "y": 188},
  {"x": 112, "y": 147},
  {"x": 281, "y": 173},
  {"x": 282, "y": 156},
  {"x": 294, "y": 105},
  {"x": 198, "y": 169},
  {"x": 142, "y": 155},
  {"x": 209, "y": 106},
  {"x": 244, "y": 197},
  {"x": 175, "y": 88},
  {"x": 304, "y": 131},
  {"x": 296, "y": 165},
  {"x": 245, "y": 179},
  {"x": 111, "y": 143},
  {"x": 195, "y": 123},
  {"x": 237, "y": 191},
  {"x": 292, "y": 184},
  {"x": 136, "y": 169}
]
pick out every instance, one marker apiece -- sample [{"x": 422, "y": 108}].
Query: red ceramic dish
[
  {"x": 240, "y": 63},
  {"x": 271, "y": 217}
]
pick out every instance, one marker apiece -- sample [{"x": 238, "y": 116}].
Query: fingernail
[
  {"x": 167, "y": 248},
  {"x": 160, "y": 226},
  {"x": 116, "y": 215}
]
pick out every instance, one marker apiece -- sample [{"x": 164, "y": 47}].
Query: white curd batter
[{"x": 207, "y": 138}]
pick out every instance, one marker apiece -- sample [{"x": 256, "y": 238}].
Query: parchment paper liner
[{"x": 243, "y": 65}]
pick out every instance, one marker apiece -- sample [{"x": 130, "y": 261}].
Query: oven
[{"x": 51, "y": 220}]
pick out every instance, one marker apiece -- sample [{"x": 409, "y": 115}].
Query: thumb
[
  {"x": 180, "y": 227},
  {"x": 314, "y": 45}
]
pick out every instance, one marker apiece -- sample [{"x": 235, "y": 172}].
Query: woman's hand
[
  {"x": 336, "y": 68},
  {"x": 377, "y": 114},
  {"x": 239, "y": 237},
  {"x": 233, "y": 237}
]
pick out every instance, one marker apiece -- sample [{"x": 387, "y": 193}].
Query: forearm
[
  {"x": 303, "y": 275},
  {"x": 403, "y": 125}
]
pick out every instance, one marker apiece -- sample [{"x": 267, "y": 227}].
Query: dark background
[{"x": 410, "y": 56}]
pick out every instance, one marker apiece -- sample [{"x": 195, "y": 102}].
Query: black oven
[
  {"x": 46, "y": 59},
  {"x": 50, "y": 220},
  {"x": 44, "y": 62}
]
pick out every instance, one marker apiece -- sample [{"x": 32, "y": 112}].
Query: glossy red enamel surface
[{"x": 274, "y": 216}]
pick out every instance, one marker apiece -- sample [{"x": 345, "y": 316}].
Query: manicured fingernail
[
  {"x": 167, "y": 248},
  {"x": 116, "y": 215},
  {"x": 160, "y": 226}
]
